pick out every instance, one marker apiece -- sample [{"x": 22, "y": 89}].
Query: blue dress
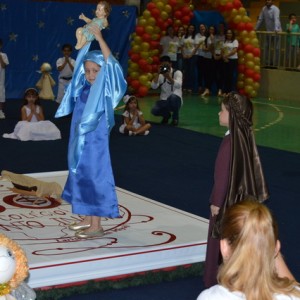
[
  {"x": 91, "y": 190},
  {"x": 90, "y": 186}
]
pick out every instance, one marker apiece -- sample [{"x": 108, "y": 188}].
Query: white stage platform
[{"x": 148, "y": 236}]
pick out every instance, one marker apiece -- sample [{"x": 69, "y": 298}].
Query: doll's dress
[
  {"x": 88, "y": 35},
  {"x": 34, "y": 130}
]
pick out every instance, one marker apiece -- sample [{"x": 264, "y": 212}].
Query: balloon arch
[{"x": 159, "y": 14}]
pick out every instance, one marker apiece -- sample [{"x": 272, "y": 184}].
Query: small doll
[
  {"x": 46, "y": 82},
  {"x": 13, "y": 271},
  {"x": 83, "y": 34}
]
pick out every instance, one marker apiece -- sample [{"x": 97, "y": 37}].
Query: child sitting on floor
[
  {"x": 134, "y": 122},
  {"x": 33, "y": 126}
]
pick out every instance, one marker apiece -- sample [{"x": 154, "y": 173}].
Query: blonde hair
[
  {"x": 21, "y": 261},
  {"x": 252, "y": 234}
]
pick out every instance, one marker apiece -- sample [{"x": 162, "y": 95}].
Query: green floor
[{"x": 276, "y": 123}]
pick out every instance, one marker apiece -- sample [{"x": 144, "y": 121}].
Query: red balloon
[
  {"x": 172, "y": 2},
  {"x": 170, "y": 21},
  {"x": 242, "y": 92},
  {"x": 151, "y": 5},
  {"x": 241, "y": 26},
  {"x": 249, "y": 26},
  {"x": 146, "y": 37},
  {"x": 248, "y": 48},
  {"x": 155, "y": 60},
  {"x": 139, "y": 30},
  {"x": 160, "y": 23},
  {"x": 241, "y": 68},
  {"x": 142, "y": 91},
  {"x": 186, "y": 20},
  {"x": 237, "y": 4},
  {"x": 256, "y": 77},
  {"x": 178, "y": 14},
  {"x": 142, "y": 62},
  {"x": 256, "y": 52},
  {"x": 249, "y": 72},
  {"x": 228, "y": 6},
  {"x": 135, "y": 57},
  {"x": 129, "y": 80},
  {"x": 154, "y": 44},
  {"x": 185, "y": 10},
  {"x": 135, "y": 84},
  {"x": 155, "y": 12}
]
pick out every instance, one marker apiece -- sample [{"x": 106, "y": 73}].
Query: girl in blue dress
[{"x": 97, "y": 87}]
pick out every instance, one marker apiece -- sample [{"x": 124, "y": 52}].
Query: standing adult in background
[
  {"x": 270, "y": 15},
  {"x": 230, "y": 61},
  {"x": 218, "y": 61},
  {"x": 97, "y": 86},
  {"x": 3, "y": 63},
  {"x": 170, "y": 45},
  {"x": 200, "y": 40},
  {"x": 170, "y": 83},
  {"x": 65, "y": 66},
  {"x": 208, "y": 66},
  {"x": 180, "y": 34},
  {"x": 188, "y": 50}
]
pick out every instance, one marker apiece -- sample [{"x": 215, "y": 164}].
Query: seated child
[
  {"x": 33, "y": 126},
  {"x": 83, "y": 34},
  {"x": 134, "y": 122}
]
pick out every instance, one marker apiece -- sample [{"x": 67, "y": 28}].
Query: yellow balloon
[
  {"x": 254, "y": 42},
  {"x": 145, "y": 46},
  {"x": 248, "y": 89},
  {"x": 155, "y": 36},
  {"x": 142, "y": 22},
  {"x": 246, "y": 40},
  {"x": 146, "y": 13},
  {"x": 252, "y": 34},
  {"x": 168, "y": 8},
  {"x": 134, "y": 75},
  {"x": 133, "y": 66},
  {"x": 151, "y": 21},
  {"x": 160, "y": 5},
  {"x": 137, "y": 39},
  {"x": 253, "y": 93},
  {"x": 250, "y": 64},
  {"x": 256, "y": 60},
  {"x": 150, "y": 76},
  {"x": 144, "y": 54},
  {"x": 136, "y": 48},
  {"x": 242, "y": 11},
  {"x": 246, "y": 19},
  {"x": 256, "y": 85},
  {"x": 240, "y": 84},
  {"x": 233, "y": 13},
  {"x": 156, "y": 29},
  {"x": 164, "y": 15},
  {"x": 244, "y": 34},
  {"x": 154, "y": 52},
  {"x": 241, "y": 77},
  {"x": 249, "y": 56},
  {"x": 237, "y": 19},
  {"x": 256, "y": 69},
  {"x": 241, "y": 60},
  {"x": 149, "y": 59},
  {"x": 149, "y": 29},
  {"x": 143, "y": 79},
  {"x": 249, "y": 81},
  {"x": 241, "y": 53}
]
